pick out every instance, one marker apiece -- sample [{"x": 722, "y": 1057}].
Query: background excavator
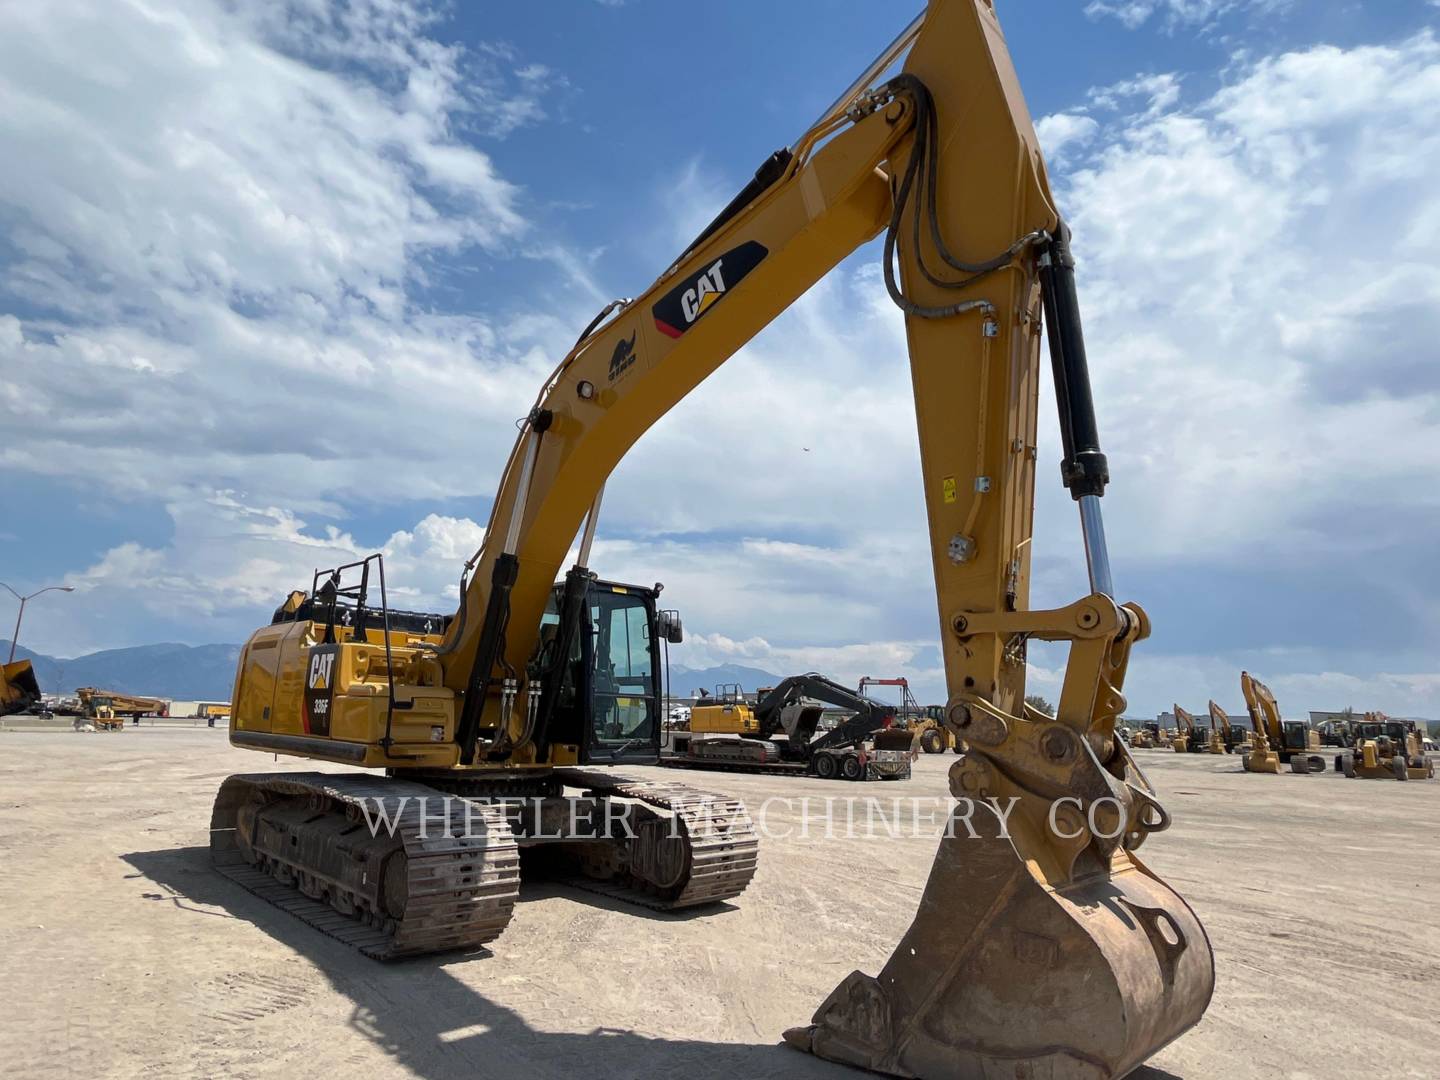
[
  {"x": 778, "y": 732},
  {"x": 1190, "y": 737},
  {"x": 1276, "y": 742},
  {"x": 1045, "y": 948},
  {"x": 1232, "y": 740}
]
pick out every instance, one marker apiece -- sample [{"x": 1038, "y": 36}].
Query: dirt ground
[{"x": 125, "y": 955}]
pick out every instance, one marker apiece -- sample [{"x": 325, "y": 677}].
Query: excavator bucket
[
  {"x": 1261, "y": 758},
  {"x": 1003, "y": 976},
  {"x": 19, "y": 689}
]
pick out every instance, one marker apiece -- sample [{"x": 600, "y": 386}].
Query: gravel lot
[{"x": 126, "y": 956}]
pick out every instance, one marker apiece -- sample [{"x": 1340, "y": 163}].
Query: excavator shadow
[{"x": 436, "y": 1025}]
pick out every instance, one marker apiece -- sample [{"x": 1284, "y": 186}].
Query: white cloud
[
  {"x": 1134, "y": 14},
  {"x": 1061, "y": 131},
  {"x": 228, "y": 562},
  {"x": 1159, "y": 92},
  {"x": 220, "y": 218}
]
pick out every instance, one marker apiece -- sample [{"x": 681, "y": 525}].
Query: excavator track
[
  {"x": 445, "y": 877},
  {"x": 693, "y": 847}
]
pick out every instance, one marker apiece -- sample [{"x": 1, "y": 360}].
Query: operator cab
[
  {"x": 610, "y": 694},
  {"x": 1294, "y": 735}
]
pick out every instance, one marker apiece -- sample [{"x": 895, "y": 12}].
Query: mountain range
[
  {"x": 207, "y": 672},
  {"x": 178, "y": 672},
  {"x": 684, "y": 681}
]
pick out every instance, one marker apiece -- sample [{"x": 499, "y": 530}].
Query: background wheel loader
[{"x": 934, "y": 736}]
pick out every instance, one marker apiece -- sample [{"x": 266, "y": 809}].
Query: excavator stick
[{"x": 1042, "y": 947}]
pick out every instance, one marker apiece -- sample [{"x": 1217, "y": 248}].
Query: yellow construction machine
[
  {"x": 1150, "y": 736},
  {"x": 1231, "y": 739},
  {"x": 19, "y": 689},
  {"x": 1190, "y": 737},
  {"x": 934, "y": 737},
  {"x": 94, "y": 702},
  {"x": 1045, "y": 949},
  {"x": 1276, "y": 742},
  {"x": 102, "y": 717},
  {"x": 1385, "y": 749}
]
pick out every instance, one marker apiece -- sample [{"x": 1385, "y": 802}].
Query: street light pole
[{"x": 15, "y": 637}]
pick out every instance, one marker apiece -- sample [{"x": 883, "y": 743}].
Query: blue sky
[{"x": 230, "y": 235}]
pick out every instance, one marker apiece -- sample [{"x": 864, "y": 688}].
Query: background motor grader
[{"x": 1385, "y": 749}]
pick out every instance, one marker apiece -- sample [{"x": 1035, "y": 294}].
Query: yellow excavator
[
  {"x": 1191, "y": 738},
  {"x": 1188, "y": 737},
  {"x": 1276, "y": 742},
  {"x": 1045, "y": 949},
  {"x": 1231, "y": 739}
]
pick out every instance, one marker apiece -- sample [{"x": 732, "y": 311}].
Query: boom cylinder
[{"x": 497, "y": 609}]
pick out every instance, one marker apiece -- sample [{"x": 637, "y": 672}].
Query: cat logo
[
  {"x": 319, "y": 689},
  {"x": 623, "y": 357},
  {"x": 320, "y": 667},
  {"x": 707, "y": 290},
  {"x": 684, "y": 305}
]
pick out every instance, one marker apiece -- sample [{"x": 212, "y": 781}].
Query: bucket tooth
[{"x": 1001, "y": 975}]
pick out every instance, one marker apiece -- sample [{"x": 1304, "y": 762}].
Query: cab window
[{"x": 624, "y": 671}]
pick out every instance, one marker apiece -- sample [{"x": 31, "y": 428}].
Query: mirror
[{"x": 670, "y": 627}]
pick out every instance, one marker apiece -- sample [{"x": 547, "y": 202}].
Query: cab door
[{"x": 622, "y": 661}]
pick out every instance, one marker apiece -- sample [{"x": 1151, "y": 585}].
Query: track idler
[{"x": 1004, "y": 975}]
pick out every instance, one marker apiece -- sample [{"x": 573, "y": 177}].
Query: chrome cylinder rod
[
  {"x": 522, "y": 490},
  {"x": 1097, "y": 556},
  {"x": 588, "y": 536}
]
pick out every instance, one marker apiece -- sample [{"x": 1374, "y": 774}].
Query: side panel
[
  {"x": 259, "y": 674},
  {"x": 332, "y": 701}
]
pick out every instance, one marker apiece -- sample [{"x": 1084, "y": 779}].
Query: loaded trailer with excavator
[
  {"x": 1035, "y": 950},
  {"x": 781, "y": 733}
]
